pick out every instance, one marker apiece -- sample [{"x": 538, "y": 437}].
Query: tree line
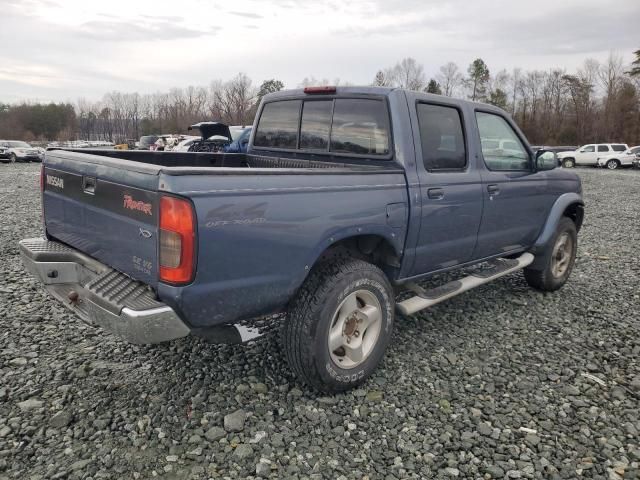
[{"x": 600, "y": 102}]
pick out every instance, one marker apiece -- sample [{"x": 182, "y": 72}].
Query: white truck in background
[{"x": 628, "y": 158}]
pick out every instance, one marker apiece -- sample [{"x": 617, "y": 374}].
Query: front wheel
[
  {"x": 339, "y": 324},
  {"x": 558, "y": 259},
  {"x": 613, "y": 164},
  {"x": 568, "y": 163},
  {"x": 13, "y": 158}
]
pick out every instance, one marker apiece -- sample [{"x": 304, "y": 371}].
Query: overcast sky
[{"x": 64, "y": 49}]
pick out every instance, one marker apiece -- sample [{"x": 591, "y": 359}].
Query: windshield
[{"x": 18, "y": 144}]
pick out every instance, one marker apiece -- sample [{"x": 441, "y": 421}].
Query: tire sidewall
[
  {"x": 568, "y": 163},
  {"x": 327, "y": 369}
]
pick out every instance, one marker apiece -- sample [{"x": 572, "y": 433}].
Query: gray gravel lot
[{"x": 502, "y": 382}]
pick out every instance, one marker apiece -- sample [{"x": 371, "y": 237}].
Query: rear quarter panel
[{"x": 259, "y": 235}]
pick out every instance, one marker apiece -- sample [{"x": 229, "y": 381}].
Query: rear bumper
[{"x": 105, "y": 297}]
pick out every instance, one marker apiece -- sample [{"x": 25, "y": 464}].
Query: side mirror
[{"x": 545, "y": 160}]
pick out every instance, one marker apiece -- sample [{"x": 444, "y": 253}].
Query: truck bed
[
  {"x": 261, "y": 221},
  {"x": 194, "y": 160}
]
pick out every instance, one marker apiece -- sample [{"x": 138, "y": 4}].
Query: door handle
[
  {"x": 435, "y": 193},
  {"x": 493, "y": 189}
]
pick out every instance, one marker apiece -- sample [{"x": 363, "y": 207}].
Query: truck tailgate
[{"x": 107, "y": 209}]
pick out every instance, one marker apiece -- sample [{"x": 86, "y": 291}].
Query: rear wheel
[
  {"x": 568, "y": 163},
  {"x": 613, "y": 164},
  {"x": 558, "y": 259},
  {"x": 339, "y": 324}
]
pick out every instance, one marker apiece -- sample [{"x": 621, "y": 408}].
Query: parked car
[
  {"x": 333, "y": 209},
  {"x": 146, "y": 141},
  {"x": 619, "y": 159},
  {"x": 185, "y": 143},
  {"x": 240, "y": 142},
  {"x": 214, "y": 137},
  {"x": 588, "y": 154},
  {"x": 21, "y": 151}
]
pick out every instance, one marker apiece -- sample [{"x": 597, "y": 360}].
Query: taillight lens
[
  {"x": 42, "y": 178},
  {"x": 177, "y": 240}
]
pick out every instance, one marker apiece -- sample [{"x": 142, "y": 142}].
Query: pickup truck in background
[{"x": 346, "y": 197}]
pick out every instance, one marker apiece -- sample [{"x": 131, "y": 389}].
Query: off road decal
[{"x": 138, "y": 205}]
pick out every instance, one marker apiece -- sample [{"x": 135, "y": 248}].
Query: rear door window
[
  {"x": 360, "y": 126},
  {"x": 603, "y": 148},
  {"x": 278, "y": 125},
  {"x": 316, "y": 124},
  {"x": 618, "y": 148},
  {"x": 441, "y": 137}
]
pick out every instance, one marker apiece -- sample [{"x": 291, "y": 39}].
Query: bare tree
[
  {"x": 409, "y": 74},
  {"x": 236, "y": 99},
  {"x": 449, "y": 78}
]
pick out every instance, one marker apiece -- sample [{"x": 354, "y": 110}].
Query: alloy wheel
[{"x": 355, "y": 329}]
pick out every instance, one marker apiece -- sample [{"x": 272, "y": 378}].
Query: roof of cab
[{"x": 385, "y": 91}]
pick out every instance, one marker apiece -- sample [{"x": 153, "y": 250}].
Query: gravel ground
[{"x": 502, "y": 382}]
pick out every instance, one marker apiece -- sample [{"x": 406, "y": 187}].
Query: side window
[
  {"x": 360, "y": 126},
  {"x": 442, "y": 137},
  {"x": 588, "y": 149},
  {"x": 501, "y": 147},
  {"x": 278, "y": 125},
  {"x": 603, "y": 148},
  {"x": 315, "y": 126},
  {"x": 618, "y": 148}
]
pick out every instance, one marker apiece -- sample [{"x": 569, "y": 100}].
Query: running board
[{"x": 427, "y": 298}]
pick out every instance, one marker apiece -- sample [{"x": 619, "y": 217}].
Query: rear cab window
[
  {"x": 336, "y": 126},
  {"x": 360, "y": 126},
  {"x": 278, "y": 127},
  {"x": 316, "y": 125}
]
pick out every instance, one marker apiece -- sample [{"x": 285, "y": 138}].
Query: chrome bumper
[{"x": 100, "y": 295}]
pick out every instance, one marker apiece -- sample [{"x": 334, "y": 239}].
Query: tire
[
  {"x": 557, "y": 265},
  {"x": 568, "y": 163},
  {"x": 13, "y": 158},
  {"x": 324, "y": 306},
  {"x": 613, "y": 164}
]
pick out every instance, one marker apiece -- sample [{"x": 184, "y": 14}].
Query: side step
[{"x": 427, "y": 298}]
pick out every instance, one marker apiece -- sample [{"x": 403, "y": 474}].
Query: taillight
[
  {"x": 42, "y": 178},
  {"x": 177, "y": 240}
]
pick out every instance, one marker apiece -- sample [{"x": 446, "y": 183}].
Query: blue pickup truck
[{"x": 345, "y": 200}]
